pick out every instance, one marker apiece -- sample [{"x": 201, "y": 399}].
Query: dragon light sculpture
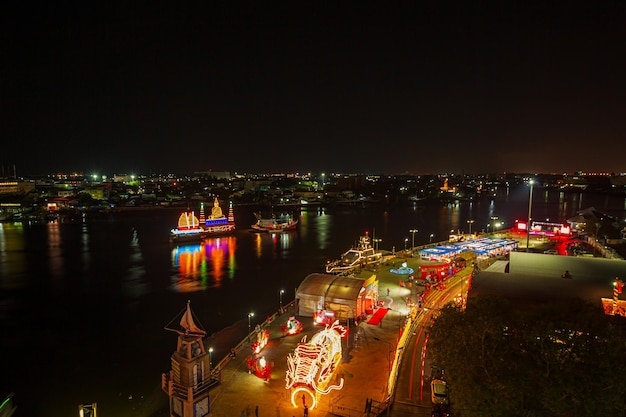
[{"x": 312, "y": 366}]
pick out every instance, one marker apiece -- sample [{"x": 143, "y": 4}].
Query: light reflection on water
[{"x": 204, "y": 265}]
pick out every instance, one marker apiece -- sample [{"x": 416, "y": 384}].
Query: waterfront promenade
[
  {"x": 375, "y": 367},
  {"x": 369, "y": 355}
]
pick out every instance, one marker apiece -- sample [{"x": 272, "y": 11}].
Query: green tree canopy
[{"x": 561, "y": 359}]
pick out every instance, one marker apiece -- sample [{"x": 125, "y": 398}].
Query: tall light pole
[
  {"x": 406, "y": 241},
  {"x": 413, "y": 231},
  {"x": 530, "y": 207},
  {"x": 493, "y": 223},
  {"x": 432, "y": 235},
  {"x": 280, "y": 297},
  {"x": 250, "y": 315},
  {"x": 376, "y": 242},
  {"x": 470, "y": 225},
  {"x": 210, "y": 358}
]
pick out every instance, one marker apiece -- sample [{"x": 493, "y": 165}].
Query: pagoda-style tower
[{"x": 188, "y": 383}]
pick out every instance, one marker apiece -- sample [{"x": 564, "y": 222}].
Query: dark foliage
[{"x": 559, "y": 359}]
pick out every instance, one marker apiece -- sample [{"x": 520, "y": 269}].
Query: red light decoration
[
  {"x": 261, "y": 341},
  {"x": 292, "y": 327},
  {"x": 324, "y": 317},
  {"x": 260, "y": 367}
]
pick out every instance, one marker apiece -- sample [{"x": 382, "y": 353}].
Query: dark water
[{"x": 83, "y": 305}]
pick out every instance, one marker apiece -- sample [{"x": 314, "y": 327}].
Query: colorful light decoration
[
  {"x": 312, "y": 366},
  {"x": 324, "y": 317},
  {"x": 260, "y": 367},
  {"x": 292, "y": 327},
  {"x": 404, "y": 269},
  {"x": 261, "y": 340}
]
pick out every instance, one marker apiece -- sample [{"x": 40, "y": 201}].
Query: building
[
  {"x": 189, "y": 381},
  {"x": 347, "y": 296}
]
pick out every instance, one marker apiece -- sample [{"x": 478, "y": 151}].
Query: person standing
[
  {"x": 256, "y": 411},
  {"x": 306, "y": 411}
]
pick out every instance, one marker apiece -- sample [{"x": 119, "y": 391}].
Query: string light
[{"x": 312, "y": 366}]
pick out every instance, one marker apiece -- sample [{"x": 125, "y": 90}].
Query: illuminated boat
[
  {"x": 188, "y": 229},
  {"x": 193, "y": 229},
  {"x": 274, "y": 224},
  {"x": 216, "y": 223},
  {"x": 357, "y": 257}
]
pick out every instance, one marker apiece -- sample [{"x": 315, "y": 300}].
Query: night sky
[{"x": 310, "y": 86}]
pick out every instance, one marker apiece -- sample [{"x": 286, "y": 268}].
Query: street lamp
[
  {"x": 280, "y": 296},
  {"x": 376, "y": 242},
  {"x": 470, "y": 225},
  {"x": 493, "y": 223},
  {"x": 406, "y": 241},
  {"x": 250, "y": 315},
  {"x": 431, "y": 238},
  {"x": 413, "y": 231},
  {"x": 530, "y": 206},
  {"x": 210, "y": 358}
]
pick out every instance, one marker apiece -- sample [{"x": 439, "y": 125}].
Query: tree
[
  {"x": 85, "y": 200},
  {"x": 558, "y": 359}
]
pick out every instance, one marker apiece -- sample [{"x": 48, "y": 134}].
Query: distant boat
[
  {"x": 274, "y": 224},
  {"x": 216, "y": 223},
  {"x": 356, "y": 257},
  {"x": 193, "y": 229}
]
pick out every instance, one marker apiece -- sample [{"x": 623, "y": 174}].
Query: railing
[
  {"x": 216, "y": 371},
  {"x": 184, "y": 392}
]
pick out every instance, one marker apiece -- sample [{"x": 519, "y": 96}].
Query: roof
[
  {"x": 524, "y": 289},
  {"x": 316, "y": 284},
  {"x": 537, "y": 278},
  {"x": 345, "y": 288},
  {"x": 330, "y": 286}
]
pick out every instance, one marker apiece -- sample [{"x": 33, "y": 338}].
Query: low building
[{"x": 348, "y": 297}]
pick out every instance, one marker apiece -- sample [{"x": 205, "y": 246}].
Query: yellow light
[{"x": 312, "y": 365}]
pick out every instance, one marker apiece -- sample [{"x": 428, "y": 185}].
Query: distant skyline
[{"x": 351, "y": 87}]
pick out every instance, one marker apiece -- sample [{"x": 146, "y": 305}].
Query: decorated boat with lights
[
  {"x": 274, "y": 224},
  {"x": 216, "y": 223},
  {"x": 357, "y": 257},
  {"x": 190, "y": 228},
  {"x": 313, "y": 367}
]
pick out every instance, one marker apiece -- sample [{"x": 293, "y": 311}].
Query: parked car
[{"x": 439, "y": 391}]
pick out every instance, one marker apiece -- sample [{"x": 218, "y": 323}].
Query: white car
[{"x": 439, "y": 391}]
